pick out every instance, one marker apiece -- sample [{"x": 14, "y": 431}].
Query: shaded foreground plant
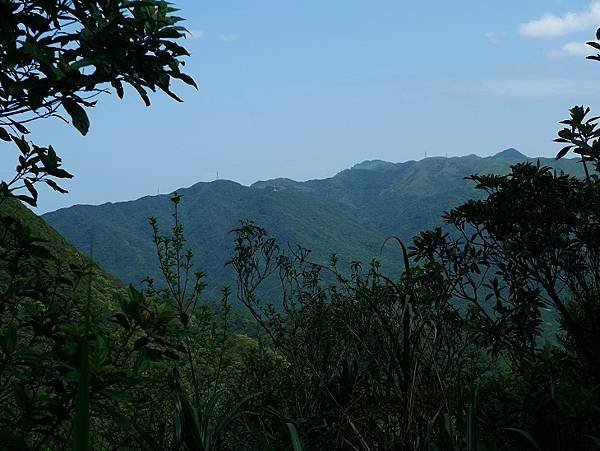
[
  {"x": 529, "y": 247},
  {"x": 364, "y": 354},
  {"x": 201, "y": 343},
  {"x": 450, "y": 355}
]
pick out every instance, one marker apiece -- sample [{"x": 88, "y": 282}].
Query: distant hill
[{"x": 350, "y": 214}]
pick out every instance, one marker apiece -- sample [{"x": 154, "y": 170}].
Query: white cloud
[
  {"x": 579, "y": 49},
  {"x": 523, "y": 87},
  {"x": 196, "y": 34},
  {"x": 551, "y": 26},
  {"x": 530, "y": 87},
  {"x": 228, "y": 37},
  {"x": 495, "y": 36}
]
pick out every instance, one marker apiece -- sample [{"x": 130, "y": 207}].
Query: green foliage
[
  {"x": 349, "y": 214},
  {"x": 58, "y": 56},
  {"x": 202, "y": 428},
  {"x": 531, "y": 244},
  {"x": 447, "y": 355},
  {"x": 79, "y": 367},
  {"x": 349, "y": 344},
  {"x": 296, "y": 443},
  {"x": 444, "y": 353},
  {"x": 40, "y": 324},
  {"x": 81, "y": 425}
]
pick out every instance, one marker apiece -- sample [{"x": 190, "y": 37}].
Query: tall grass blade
[
  {"x": 81, "y": 427},
  {"x": 472, "y": 436},
  {"x": 296, "y": 443},
  {"x": 527, "y": 436}
]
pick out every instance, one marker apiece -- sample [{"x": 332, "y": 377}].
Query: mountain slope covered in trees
[
  {"x": 105, "y": 286},
  {"x": 350, "y": 214}
]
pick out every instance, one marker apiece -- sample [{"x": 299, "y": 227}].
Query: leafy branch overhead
[
  {"x": 58, "y": 56},
  {"x": 581, "y": 133}
]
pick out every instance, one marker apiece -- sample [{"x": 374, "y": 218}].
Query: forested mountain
[
  {"x": 484, "y": 335},
  {"x": 350, "y": 214},
  {"x": 105, "y": 287}
]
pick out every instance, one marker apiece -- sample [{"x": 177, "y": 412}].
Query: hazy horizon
[
  {"x": 303, "y": 91},
  {"x": 248, "y": 184}
]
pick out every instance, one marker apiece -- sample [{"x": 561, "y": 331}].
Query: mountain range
[{"x": 351, "y": 213}]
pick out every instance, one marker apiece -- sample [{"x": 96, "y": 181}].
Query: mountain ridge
[
  {"x": 509, "y": 153},
  {"x": 350, "y": 213}
]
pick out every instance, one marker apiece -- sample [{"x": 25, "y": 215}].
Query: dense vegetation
[
  {"x": 446, "y": 353},
  {"x": 58, "y": 57},
  {"x": 349, "y": 214}
]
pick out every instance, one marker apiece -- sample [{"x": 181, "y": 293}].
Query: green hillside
[
  {"x": 105, "y": 285},
  {"x": 350, "y": 214},
  {"x": 122, "y": 237}
]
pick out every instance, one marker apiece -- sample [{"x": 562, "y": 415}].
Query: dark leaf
[
  {"x": 27, "y": 200},
  {"x": 142, "y": 92},
  {"x": 52, "y": 184},
  {"x": 78, "y": 115},
  {"x": 187, "y": 79},
  {"x": 596, "y": 45},
  {"x": 4, "y": 136},
  {"x": 563, "y": 152},
  {"x": 118, "y": 87},
  {"x": 19, "y": 127},
  {"x": 22, "y": 145},
  {"x": 40, "y": 252},
  {"x": 121, "y": 318},
  {"x": 31, "y": 189}
]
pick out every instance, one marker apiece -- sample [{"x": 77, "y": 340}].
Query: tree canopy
[{"x": 57, "y": 57}]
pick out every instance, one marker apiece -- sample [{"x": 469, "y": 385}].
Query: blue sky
[{"x": 306, "y": 89}]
